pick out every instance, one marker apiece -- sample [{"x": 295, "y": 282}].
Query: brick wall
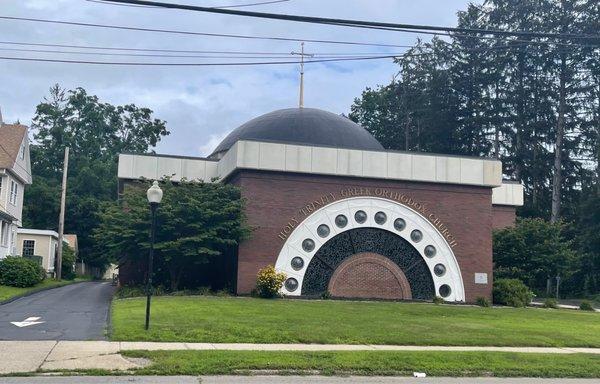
[
  {"x": 503, "y": 216},
  {"x": 273, "y": 198},
  {"x": 369, "y": 275}
]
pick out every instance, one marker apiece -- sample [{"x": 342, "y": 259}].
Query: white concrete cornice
[
  {"x": 280, "y": 157},
  {"x": 357, "y": 163},
  {"x": 508, "y": 194}
]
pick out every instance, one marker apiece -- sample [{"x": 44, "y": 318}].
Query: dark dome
[{"x": 307, "y": 126}]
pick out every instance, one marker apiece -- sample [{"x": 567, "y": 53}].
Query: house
[
  {"x": 71, "y": 240},
  {"x": 15, "y": 174},
  {"x": 38, "y": 242}
]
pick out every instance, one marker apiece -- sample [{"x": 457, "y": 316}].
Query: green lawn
[
  {"x": 10, "y": 292},
  {"x": 500, "y": 364},
  {"x": 248, "y": 320}
]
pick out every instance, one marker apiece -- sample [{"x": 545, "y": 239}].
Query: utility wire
[
  {"x": 325, "y": 58},
  {"x": 340, "y": 42},
  {"x": 222, "y": 7},
  {"x": 357, "y": 23},
  {"x": 273, "y": 38},
  {"x": 252, "y": 63},
  {"x": 252, "y": 4},
  {"x": 282, "y": 56},
  {"x": 128, "y": 49}
]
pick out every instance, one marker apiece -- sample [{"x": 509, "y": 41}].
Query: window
[
  {"x": 28, "y": 247},
  {"x": 14, "y": 190},
  {"x": 4, "y": 233},
  {"x": 22, "y": 151}
]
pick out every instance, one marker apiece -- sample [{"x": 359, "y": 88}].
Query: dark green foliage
[
  {"x": 68, "y": 263},
  {"x": 96, "y": 133},
  {"x": 533, "y": 251},
  {"x": 438, "y": 300},
  {"x": 588, "y": 241},
  {"x": 20, "y": 272},
  {"x": 550, "y": 303},
  {"x": 511, "y": 292},
  {"x": 509, "y": 99},
  {"x": 196, "y": 223},
  {"x": 483, "y": 302},
  {"x": 586, "y": 306}
]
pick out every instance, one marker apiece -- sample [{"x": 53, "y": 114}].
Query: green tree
[
  {"x": 96, "y": 133},
  {"x": 196, "y": 222},
  {"x": 533, "y": 251}
]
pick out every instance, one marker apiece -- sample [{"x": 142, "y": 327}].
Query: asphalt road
[
  {"x": 73, "y": 312},
  {"x": 281, "y": 380}
]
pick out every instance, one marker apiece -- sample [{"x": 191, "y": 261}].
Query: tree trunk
[
  {"x": 558, "y": 144},
  {"x": 175, "y": 272}
]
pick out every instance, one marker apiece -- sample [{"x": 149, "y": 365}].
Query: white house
[
  {"x": 15, "y": 174},
  {"x": 38, "y": 242}
]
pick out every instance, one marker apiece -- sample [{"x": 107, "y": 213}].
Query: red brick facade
[
  {"x": 503, "y": 216},
  {"x": 371, "y": 276},
  {"x": 275, "y": 198}
]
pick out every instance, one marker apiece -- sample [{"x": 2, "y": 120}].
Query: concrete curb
[
  {"x": 33, "y": 292},
  {"x": 32, "y": 356}
]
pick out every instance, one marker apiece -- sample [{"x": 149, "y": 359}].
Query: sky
[{"x": 201, "y": 105}]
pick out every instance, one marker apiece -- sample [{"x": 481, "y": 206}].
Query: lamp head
[{"x": 154, "y": 193}]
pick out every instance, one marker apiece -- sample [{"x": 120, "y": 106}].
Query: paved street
[
  {"x": 281, "y": 380},
  {"x": 74, "y": 312}
]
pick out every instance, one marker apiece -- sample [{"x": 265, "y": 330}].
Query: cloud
[
  {"x": 202, "y": 104},
  {"x": 213, "y": 140}
]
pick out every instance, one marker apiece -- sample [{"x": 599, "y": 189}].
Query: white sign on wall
[{"x": 481, "y": 278}]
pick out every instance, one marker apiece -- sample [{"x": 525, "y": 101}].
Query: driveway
[{"x": 73, "y": 312}]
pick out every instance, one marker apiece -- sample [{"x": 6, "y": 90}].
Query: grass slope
[
  {"x": 7, "y": 292},
  {"x": 499, "y": 364},
  {"x": 248, "y": 320}
]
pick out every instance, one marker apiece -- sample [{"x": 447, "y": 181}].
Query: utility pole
[
  {"x": 61, "y": 219},
  {"x": 302, "y": 54}
]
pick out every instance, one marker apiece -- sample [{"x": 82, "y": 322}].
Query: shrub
[
  {"x": 269, "y": 282},
  {"x": 438, "y": 300},
  {"x": 586, "y": 306},
  {"x": 68, "y": 263},
  {"x": 511, "y": 292},
  {"x": 483, "y": 301},
  {"x": 19, "y": 272},
  {"x": 550, "y": 303}
]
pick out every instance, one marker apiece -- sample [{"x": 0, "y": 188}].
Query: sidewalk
[{"x": 29, "y": 356}]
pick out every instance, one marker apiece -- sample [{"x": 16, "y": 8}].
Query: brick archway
[
  {"x": 369, "y": 275},
  {"x": 342, "y": 229}
]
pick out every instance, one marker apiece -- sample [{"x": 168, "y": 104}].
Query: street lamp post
[{"x": 154, "y": 195}]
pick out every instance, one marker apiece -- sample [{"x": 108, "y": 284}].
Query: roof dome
[{"x": 306, "y": 126}]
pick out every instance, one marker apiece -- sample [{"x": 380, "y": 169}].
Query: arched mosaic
[
  {"x": 329, "y": 235},
  {"x": 359, "y": 240}
]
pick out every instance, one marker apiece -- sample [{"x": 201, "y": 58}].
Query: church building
[{"x": 339, "y": 214}]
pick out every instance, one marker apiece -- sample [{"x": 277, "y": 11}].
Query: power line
[
  {"x": 271, "y": 38},
  {"x": 297, "y": 40},
  {"x": 253, "y": 63},
  {"x": 222, "y": 7},
  {"x": 252, "y": 4},
  {"x": 357, "y": 23},
  {"x": 128, "y": 49},
  {"x": 283, "y": 56}
]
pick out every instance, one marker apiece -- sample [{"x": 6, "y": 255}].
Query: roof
[
  {"x": 71, "y": 239},
  {"x": 11, "y": 138},
  {"x": 304, "y": 126},
  {"x": 42, "y": 232}
]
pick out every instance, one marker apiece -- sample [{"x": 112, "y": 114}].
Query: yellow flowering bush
[{"x": 269, "y": 282}]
